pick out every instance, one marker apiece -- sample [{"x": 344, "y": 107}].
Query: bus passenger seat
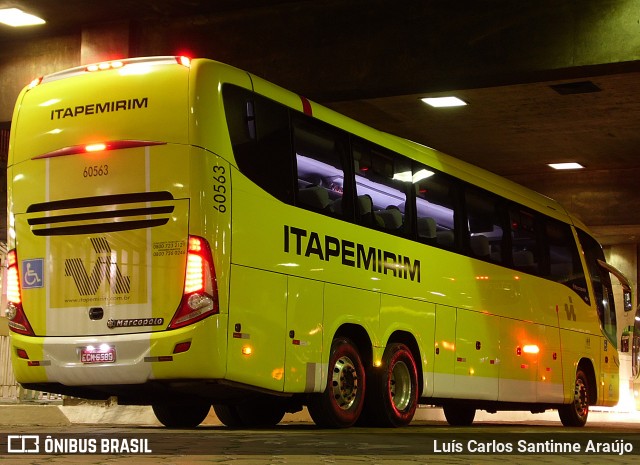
[
  {"x": 445, "y": 238},
  {"x": 391, "y": 216},
  {"x": 426, "y": 228},
  {"x": 480, "y": 246},
  {"x": 523, "y": 258},
  {"x": 365, "y": 205},
  {"x": 336, "y": 206},
  {"x": 315, "y": 197}
]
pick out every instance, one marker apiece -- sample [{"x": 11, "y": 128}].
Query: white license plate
[{"x": 98, "y": 355}]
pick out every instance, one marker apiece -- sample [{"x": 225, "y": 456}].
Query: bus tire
[
  {"x": 181, "y": 416},
  {"x": 576, "y": 413},
  {"x": 340, "y": 405},
  {"x": 459, "y": 415},
  {"x": 228, "y": 415},
  {"x": 392, "y": 389}
]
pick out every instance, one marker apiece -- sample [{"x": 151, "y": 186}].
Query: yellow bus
[{"x": 185, "y": 234}]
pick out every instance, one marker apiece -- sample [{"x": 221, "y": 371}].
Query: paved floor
[
  {"x": 54, "y": 414},
  {"x": 298, "y": 441}
]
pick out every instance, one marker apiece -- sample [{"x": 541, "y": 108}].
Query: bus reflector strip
[
  {"x": 39, "y": 363},
  {"x": 98, "y": 147},
  {"x": 162, "y": 358},
  {"x": 182, "y": 347}
]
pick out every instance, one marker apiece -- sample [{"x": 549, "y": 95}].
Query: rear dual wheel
[
  {"x": 459, "y": 414},
  {"x": 256, "y": 412},
  {"x": 392, "y": 389},
  {"x": 341, "y": 403},
  {"x": 180, "y": 415}
]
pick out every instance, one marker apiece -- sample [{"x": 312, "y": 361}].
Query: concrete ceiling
[{"x": 373, "y": 60}]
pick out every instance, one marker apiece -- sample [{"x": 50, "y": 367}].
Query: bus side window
[
  {"x": 383, "y": 182},
  {"x": 435, "y": 203},
  {"x": 320, "y": 151},
  {"x": 260, "y": 137},
  {"x": 564, "y": 258},
  {"x": 524, "y": 241},
  {"x": 485, "y": 222},
  {"x": 601, "y": 281}
]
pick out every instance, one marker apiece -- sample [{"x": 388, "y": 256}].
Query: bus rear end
[{"x": 112, "y": 279}]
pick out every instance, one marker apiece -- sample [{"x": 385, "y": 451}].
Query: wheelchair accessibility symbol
[{"x": 32, "y": 273}]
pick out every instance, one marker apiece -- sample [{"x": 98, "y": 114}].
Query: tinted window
[
  {"x": 564, "y": 259},
  {"x": 525, "y": 249},
  {"x": 383, "y": 179},
  {"x": 485, "y": 221},
  {"x": 435, "y": 207},
  {"x": 601, "y": 281},
  {"x": 259, "y": 131},
  {"x": 320, "y": 152}
]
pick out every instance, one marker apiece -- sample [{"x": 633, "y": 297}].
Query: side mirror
[{"x": 624, "y": 282}]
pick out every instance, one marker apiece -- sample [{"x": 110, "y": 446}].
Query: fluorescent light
[
  {"x": 407, "y": 176},
  {"x": 566, "y": 166},
  {"x": 16, "y": 17},
  {"x": 440, "y": 102}
]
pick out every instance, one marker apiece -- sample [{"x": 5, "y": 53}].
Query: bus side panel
[
  {"x": 445, "y": 352},
  {"x": 477, "y": 351},
  {"x": 343, "y": 305},
  {"x": 304, "y": 370},
  {"x": 519, "y": 364},
  {"x": 257, "y": 317},
  {"x": 417, "y": 318},
  {"x": 578, "y": 346},
  {"x": 609, "y": 391},
  {"x": 207, "y": 128},
  {"x": 550, "y": 381}
]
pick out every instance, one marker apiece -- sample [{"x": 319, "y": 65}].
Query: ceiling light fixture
[
  {"x": 442, "y": 102},
  {"x": 566, "y": 166},
  {"x": 15, "y": 17}
]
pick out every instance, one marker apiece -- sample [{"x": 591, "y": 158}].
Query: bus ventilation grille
[{"x": 100, "y": 214}]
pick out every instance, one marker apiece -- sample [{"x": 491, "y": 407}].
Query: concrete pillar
[
  {"x": 625, "y": 258},
  {"x": 104, "y": 42}
]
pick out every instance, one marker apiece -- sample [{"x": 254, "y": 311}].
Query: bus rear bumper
[{"x": 197, "y": 351}]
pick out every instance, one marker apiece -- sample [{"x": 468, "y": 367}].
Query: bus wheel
[
  {"x": 392, "y": 391},
  {"x": 576, "y": 413},
  {"x": 228, "y": 415},
  {"x": 340, "y": 405},
  {"x": 181, "y": 416},
  {"x": 459, "y": 415}
]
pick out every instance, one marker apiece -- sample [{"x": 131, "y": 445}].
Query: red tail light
[
  {"x": 18, "y": 321},
  {"x": 98, "y": 147},
  {"x": 200, "y": 297}
]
